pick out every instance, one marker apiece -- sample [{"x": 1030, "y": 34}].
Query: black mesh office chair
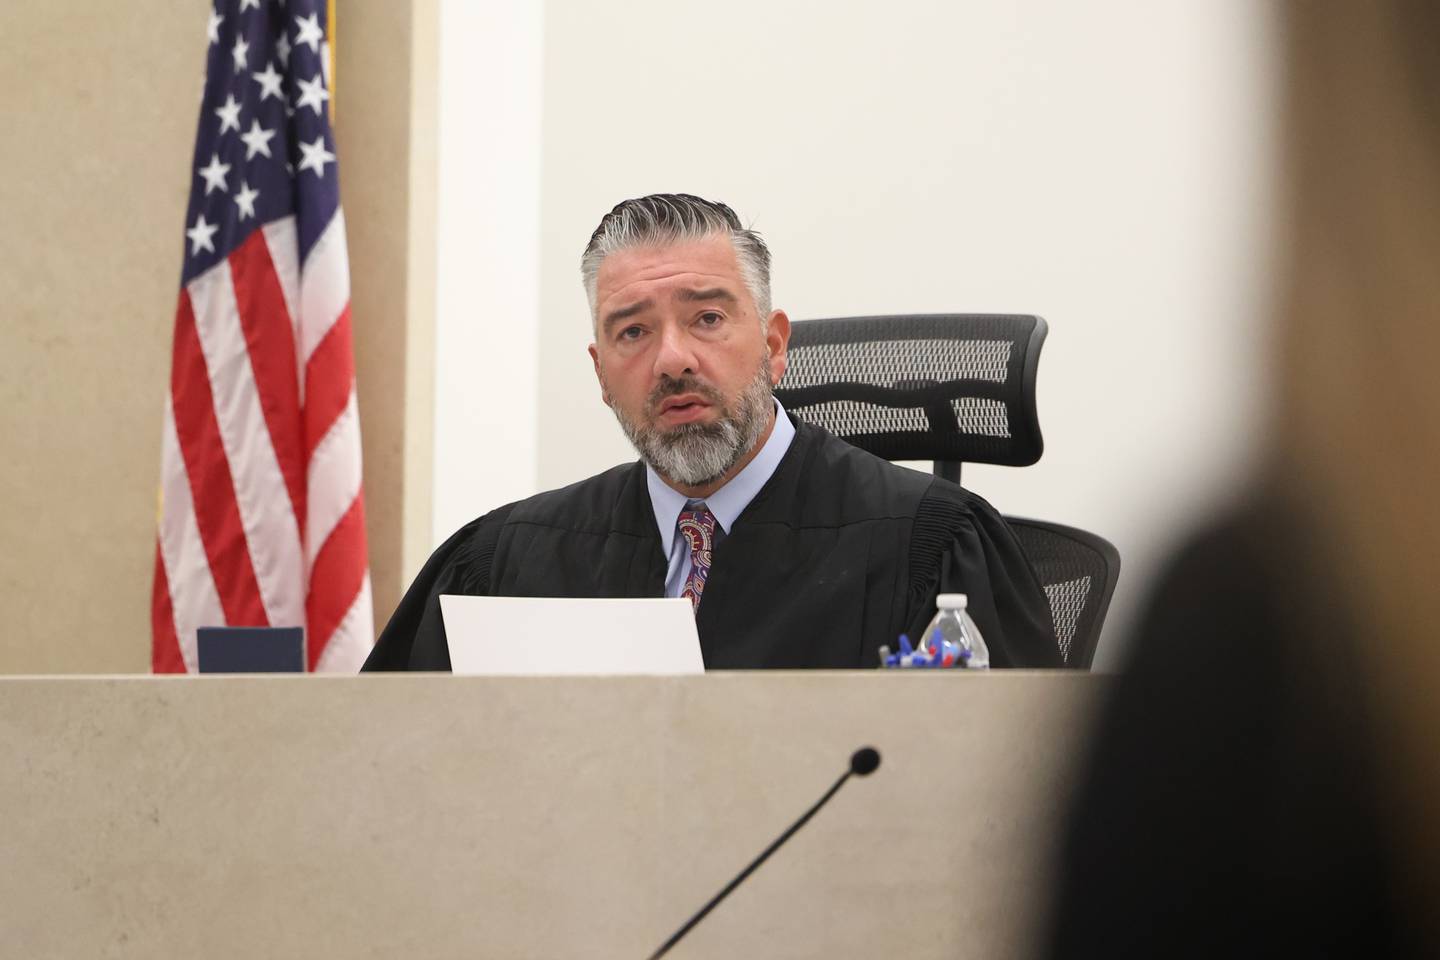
[
  {"x": 952, "y": 388},
  {"x": 1078, "y": 571}
]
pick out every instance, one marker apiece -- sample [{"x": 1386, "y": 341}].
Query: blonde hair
[{"x": 1357, "y": 423}]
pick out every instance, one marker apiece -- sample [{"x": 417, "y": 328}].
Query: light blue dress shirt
[{"x": 726, "y": 504}]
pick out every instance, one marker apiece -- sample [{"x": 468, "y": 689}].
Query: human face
[{"x": 683, "y": 358}]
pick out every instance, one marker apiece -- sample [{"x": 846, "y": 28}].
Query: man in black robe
[{"x": 796, "y": 549}]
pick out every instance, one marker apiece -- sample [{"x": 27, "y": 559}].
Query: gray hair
[{"x": 662, "y": 219}]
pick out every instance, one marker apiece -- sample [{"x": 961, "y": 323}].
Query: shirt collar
[{"x": 729, "y": 501}]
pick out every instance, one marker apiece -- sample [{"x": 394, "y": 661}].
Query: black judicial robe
[{"x": 838, "y": 553}]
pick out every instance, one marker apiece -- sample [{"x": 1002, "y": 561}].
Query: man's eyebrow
[
  {"x": 713, "y": 293},
  {"x": 625, "y": 313}
]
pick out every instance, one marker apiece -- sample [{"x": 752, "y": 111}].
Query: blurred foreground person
[{"x": 1264, "y": 780}]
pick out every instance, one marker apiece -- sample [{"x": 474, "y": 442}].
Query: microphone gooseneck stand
[{"x": 863, "y": 762}]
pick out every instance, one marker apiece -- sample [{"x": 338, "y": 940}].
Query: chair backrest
[
  {"x": 950, "y": 388},
  {"x": 1078, "y": 571},
  {"x": 953, "y": 388}
]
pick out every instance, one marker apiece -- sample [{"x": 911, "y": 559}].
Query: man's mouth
[{"x": 683, "y": 408}]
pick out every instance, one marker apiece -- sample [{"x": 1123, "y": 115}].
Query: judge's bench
[{"x": 440, "y": 816}]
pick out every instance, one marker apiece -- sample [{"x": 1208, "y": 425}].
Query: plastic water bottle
[{"x": 953, "y": 625}]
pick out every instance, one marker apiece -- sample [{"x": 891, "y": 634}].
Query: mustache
[{"x": 669, "y": 388}]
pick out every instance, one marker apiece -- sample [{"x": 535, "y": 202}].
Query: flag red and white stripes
[{"x": 262, "y": 517}]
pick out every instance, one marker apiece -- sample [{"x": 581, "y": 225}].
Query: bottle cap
[{"x": 951, "y": 601}]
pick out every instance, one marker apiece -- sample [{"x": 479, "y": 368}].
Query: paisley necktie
[{"x": 697, "y": 526}]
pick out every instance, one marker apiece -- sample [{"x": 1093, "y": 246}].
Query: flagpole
[{"x": 330, "y": 52}]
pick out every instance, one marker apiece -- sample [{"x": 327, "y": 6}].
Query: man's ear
[
  {"x": 777, "y": 339},
  {"x": 595, "y": 359}
]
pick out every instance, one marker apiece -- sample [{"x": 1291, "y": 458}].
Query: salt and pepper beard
[{"x": 696, "y": 454}]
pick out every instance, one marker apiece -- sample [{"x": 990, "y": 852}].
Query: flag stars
[
  {"x": 245, "y": 200},
  {"x": 312, "y": 94},
  {"x": 315, "y": 156},
  {"x": 269, "y": 81},
  {"x": 200, "y": 235},
  {"x": 240, "y": 52},
  {"x": 215, "y": 173},
  {"x": 282, "y": 49},
  {"x": 229, "y": 114},
  {"x": 257, "y": 140},
  {"x": 310, "y": 32},
  {"x": 213, "y": 27},
  {"x": 249, "y": 4}
]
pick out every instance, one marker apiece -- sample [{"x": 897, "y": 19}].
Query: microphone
[{"x": 863, "y": 762}]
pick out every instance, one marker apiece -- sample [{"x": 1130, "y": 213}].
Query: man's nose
[{"x": 675, "y": 357}]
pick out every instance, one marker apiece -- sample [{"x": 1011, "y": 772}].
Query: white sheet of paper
[{"x": 530, "y": 636}]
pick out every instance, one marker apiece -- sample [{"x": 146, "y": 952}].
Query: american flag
[{"x": 262, "y": 518}]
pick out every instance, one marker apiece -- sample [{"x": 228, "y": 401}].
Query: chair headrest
[{"x": 957, "y": 387}]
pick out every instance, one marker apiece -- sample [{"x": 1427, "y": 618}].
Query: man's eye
[
  {"x": 631, "y": 333},
  {"x": 710, "y": 318}
]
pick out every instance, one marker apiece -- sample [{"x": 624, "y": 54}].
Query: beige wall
[
  {"x": 385, "y": 131},
  {"x": 98, "y": 107}
]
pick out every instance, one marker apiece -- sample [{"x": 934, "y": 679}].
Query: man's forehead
[{"x": 708, "y": 262}]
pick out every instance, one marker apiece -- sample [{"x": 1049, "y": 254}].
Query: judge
[{"x": 795, "y": 548}]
